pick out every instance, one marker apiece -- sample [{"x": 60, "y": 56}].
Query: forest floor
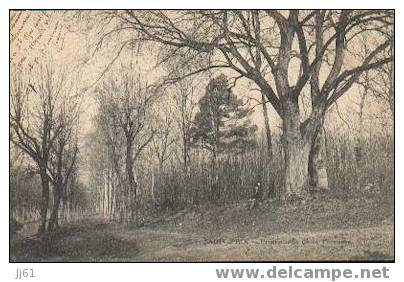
[{"x": 330, "y": 228}]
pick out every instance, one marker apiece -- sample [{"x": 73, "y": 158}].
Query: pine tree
[{"x": 222, "y": 124}]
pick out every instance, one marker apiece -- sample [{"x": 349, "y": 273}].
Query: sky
[{"x": 51, "y": 36}]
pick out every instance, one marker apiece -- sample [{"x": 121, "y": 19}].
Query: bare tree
[
  {"x": 162, "y": 144},
  {"x": 379, "y": 83},
  {"x": 267, "y": 126},
  {"x": 268, "y": 134},
  {"x": 63, "y": 157},
  {"x": 185, "y": 103},
  {"x": 163, "y": 137},
  {"x": 125, "y": 104},
  {"x": 35, "y": 101},
  {"x": 261, "y": 45}
]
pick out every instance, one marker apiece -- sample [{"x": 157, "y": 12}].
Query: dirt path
[
  {"x": 93, "y": 240},
  {"x": 353, "y": 244},
  {"x": 331, "y": 229}
]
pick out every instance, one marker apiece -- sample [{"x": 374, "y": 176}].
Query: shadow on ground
[{"x": 83, "y": 242}]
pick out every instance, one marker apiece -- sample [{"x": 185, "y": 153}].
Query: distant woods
[
  {"x": 146, "y": 146},
  {"x": 125, "y": 126}
]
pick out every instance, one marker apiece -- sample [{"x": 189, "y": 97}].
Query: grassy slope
[{"x": 352, "y": 227}]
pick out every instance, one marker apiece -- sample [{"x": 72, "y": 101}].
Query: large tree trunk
[
  {"x": 267, "y": 127},
  {"x": 44, "y": 201},
  {"x": 296, "y": 151},
  {"x": 296, "y": 167},
  {"x": 318, "y": 178},
  {"x": 57, "y": 195}
]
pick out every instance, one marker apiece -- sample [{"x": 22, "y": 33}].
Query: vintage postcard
[{"x": 201, "y": 136}]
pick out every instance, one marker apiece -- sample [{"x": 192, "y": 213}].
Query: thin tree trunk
[
  {"x": 131, "y": 181},
  {"x": 103, "y": 195},
  {"x": 186, "y": 158},
  {"x": 63, "y": 211},
  {"x": 267, "y": 127},
  {"x": 57, "y": 195},
  {"x": 44, "y": 201},
  {"x": 107, "y": 188},
  {"x": 214, "y": 192},
  {"x": 360, "y": 134},
  {"x": 358, "y": 146},
  {"x": 153, "y": 182},
  {"x": 112, "y": 190},
  {"x": 185, "y": 149}
]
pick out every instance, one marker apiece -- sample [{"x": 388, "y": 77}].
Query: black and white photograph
[{"x": 248, "y": 135}]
